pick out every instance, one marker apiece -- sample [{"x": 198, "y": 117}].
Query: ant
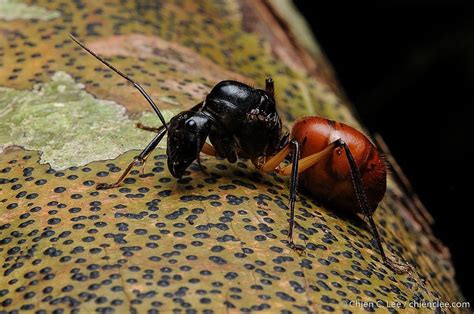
[{"x": 333, "y": 161}]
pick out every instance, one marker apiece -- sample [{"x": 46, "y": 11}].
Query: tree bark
[{"x": 213, "y": 242}]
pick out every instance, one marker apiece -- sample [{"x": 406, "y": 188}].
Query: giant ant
[{"x": 332, "y": 160}]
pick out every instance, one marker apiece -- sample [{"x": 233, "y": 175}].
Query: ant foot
[
  {"x": 105, "y": 186},
  {"x": 298, "y": 248}
]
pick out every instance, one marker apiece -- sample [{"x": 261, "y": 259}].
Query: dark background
[{"x": 409, "y": 70}]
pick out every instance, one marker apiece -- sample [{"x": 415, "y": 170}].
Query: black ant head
[{"x": 186, "y": 136}]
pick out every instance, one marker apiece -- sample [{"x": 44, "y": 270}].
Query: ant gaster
[{"x": 333, "y": 161}]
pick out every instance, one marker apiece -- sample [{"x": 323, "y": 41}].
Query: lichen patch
[
  {"x": 13, "y": 9},
  {"x": 68, "y": 125}
]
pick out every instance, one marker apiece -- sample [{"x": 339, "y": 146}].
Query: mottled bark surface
[{"x": 212, "y": 242}]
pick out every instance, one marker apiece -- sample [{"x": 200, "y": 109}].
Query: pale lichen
[
  {"x": 68, "y": 125},
  {"x": 13, "y": 9}
]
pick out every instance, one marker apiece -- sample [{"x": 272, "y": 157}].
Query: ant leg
[
  {"x": 272, "y": 164},
  {"x": 364, "y": 205},
  {"x": 136, "y": 85},
  {"x": 307, "y": 161},
  {"x": 148, "y": 128},
  {"x": 293, "y": 188},
  {"x": 208, "y": 149},
  {"x": 270, "y": 86},
  {"x": 296, "y": 167},
  {"x": 138, "y": 161},
  {"x": 198, "y": 157},
  {"x": 157, "y": 129},
  {"x": 311, "y": 160}
]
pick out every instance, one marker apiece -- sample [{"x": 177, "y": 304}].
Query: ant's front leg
[
  {"x": 138, "y": 161},
  {"x": 272, "y": 165},
  {"x": 294, "y": 169}
]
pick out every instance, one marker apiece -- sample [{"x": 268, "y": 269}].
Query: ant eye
[{"x": 190, "y": 123}]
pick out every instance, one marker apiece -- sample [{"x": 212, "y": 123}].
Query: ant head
[{"x": 187, "y": 133}]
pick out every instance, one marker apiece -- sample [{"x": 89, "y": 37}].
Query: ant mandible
[{"x": 333, "y": 161}]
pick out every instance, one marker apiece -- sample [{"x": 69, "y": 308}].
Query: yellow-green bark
[{"x": 203, "y": 242}]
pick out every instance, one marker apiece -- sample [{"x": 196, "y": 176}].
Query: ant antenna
[{"x": 136, "y": 85}]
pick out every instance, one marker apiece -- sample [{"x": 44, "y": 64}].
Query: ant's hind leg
[
  {"x": 295, "y": 148},
  {"x": 138, "y": 161},
  {"x": 365, "y": 209}
]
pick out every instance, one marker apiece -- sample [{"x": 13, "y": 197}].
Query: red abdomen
[{"x": 330, "y": 179}]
